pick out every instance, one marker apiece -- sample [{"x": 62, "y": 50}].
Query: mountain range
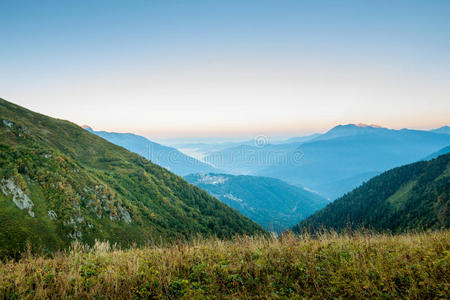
[
  {"x": 60, "y": 183},
  {"x": 270, "y": 202},
  {"x": 335, "y": 162}
]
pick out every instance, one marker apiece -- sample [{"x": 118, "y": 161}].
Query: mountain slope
[
  {"x": 415, "y": 196},
  {"x": 250, "y": 159},
  {"x": 443, "y": 151},
  {"x": 270, "y": 202},
  {"x": 167, "y": 157},
  {"x": 59, "y": 183},
  {"x": 443, "y": 129},
  {"x": 300, "y": 139},
  {"x": 350, "y": 130}
]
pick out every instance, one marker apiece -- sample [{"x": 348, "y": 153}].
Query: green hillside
[
  {"x": 411, "y": 197},
  {"x": 270, "y": 202},
  {"x": 60, "y": 183}
]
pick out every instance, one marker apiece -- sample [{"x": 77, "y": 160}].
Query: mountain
[
  {"x": 270, "y": 202},
  {"x": 250, "y": 159},
  {"x": 167, "y": 157},
  {"x": 341, "y": 186},
  {"x": 332, "y": 163},
  {"x": 443, "y": 151},
  {"x": 348, "y": 154},
  {"x": 61, "y": 183},
  {"x": 443, "y": 129},
  {"x": 411, "y": 197},
  {"x": 350, "y": 130},
  {"x": 202, "y": 150},
  {"x": 300, "y": 139}
]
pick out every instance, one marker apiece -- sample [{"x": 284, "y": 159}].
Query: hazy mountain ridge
[
  {"x": 167, "y": 157},
  {"x": 443, "y": 151},
  {"x": 349, "y": 130},
  {"x": 59, "y": 183},
  {"x": 411, "y": 197},
  {"x": 345, "y": 153},
  {"x": 443, "y": 129},
  {"x": 270, "y": 202},
  {"x": 250, "y": 159},
  {"x": 300, "y": 139}
]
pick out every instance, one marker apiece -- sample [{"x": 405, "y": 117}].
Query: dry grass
[{"x": 411, "y": 266}]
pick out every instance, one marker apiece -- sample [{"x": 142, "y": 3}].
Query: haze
[{"x": 232, "y": 68}]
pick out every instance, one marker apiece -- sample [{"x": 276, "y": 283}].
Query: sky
[{"x": 181, "y": 69}]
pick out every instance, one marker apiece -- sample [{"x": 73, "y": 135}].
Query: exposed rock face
[
  {"x": 125, "y": 215},
  {"x": 8, "y": 123},
  {"x": 101, "y": 203},
  {"x": 104, "y": 201},
  {"x": 52, "y": 215},
  {"x": 20, "y": 199}
]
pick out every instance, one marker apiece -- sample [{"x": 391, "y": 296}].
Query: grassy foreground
[{"x": 411, "y": 266}]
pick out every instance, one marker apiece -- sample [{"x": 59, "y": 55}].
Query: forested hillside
[
  {"x": 270, "y": 202},
  {"x": 411, "y": 197},
  {"x": 60, "y": 183}
]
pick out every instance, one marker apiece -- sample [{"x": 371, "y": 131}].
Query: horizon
[
  {"x": 269, "y": 137},
  {"x": 197, "y": 70},
  {"x": 175, "y": 141}
]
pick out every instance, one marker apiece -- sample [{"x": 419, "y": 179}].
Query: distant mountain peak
[
  {"x": 355, "y": 128},
  {"x": 359, "y": 125},
  {"x": 367, "y": 125},
  {"x": 87, "y": 127},
  {"x": 351, "y": 130},
  {"x": 443, "y": 129}
]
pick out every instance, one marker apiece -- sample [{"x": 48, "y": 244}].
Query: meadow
[{"x": 326, "y": 266}]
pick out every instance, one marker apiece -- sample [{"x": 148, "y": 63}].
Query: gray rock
[{"x": 20, "y": 199}]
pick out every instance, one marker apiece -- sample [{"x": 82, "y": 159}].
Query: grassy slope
[
  {"x": 415, "y": 196},
  {"x": 362, "y": 266},
  {"x": 167, "y": 157},
  {"x": 90, "y": 184}
]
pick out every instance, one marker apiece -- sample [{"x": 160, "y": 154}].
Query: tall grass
[{"x": 351, "y": 266}]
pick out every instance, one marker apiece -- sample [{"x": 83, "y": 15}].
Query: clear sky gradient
[{"x": 228, "y": 68}]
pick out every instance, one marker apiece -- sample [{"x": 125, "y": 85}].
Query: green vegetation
[
  {"x": 60, "y": 183},
  {"x": 270, "y": 202},
  {"x": 412, "y": 197},
  {"x": 167, "y": 157},
  {"x": 330, "y": 266}
]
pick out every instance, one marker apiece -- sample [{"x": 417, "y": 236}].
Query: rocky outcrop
[
  {"x": 8, "y": 123},
  {"x": 20, "y": 199}
]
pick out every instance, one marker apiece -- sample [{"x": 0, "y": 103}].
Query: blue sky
[{"x": 228, "y": 68}]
